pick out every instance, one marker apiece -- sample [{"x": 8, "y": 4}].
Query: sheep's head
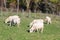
[
  {"x": 32, "y": 29},
  {"x": 7, "y": 20}
]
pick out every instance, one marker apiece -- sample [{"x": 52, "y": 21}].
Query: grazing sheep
[
  {"x": 48, "y": 20},
  {"x": 13, "y": 19},
  {"x": 34, "y": 21},
  {"x": 38, "y": 25}
]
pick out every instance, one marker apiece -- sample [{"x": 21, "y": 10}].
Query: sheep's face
[
  {"x": 6, "y": 21},
  {"x": 31, "y": 30}
]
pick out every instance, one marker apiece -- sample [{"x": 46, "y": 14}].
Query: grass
[{"x": 51, "y": 31}]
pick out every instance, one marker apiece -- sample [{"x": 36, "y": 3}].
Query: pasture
[{"x": 51, "y": 31}]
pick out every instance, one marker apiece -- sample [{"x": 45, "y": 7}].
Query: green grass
[{"x": 51, "y": 31}]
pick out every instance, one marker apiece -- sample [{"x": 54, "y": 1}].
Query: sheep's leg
[
  {"x": 10, "y": 23},
  {"x": 37, "y": 29},
  {"x": 17, "y": 25},
  {"x": 41, "y": 30},
  {"x": 50, "y": 22}
]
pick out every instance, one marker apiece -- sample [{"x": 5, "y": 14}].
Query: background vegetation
[{"x": 51, "y": 31}]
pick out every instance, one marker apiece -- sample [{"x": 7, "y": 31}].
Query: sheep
[
  {"x": 48, "y": 20},
  {"x": 38, "y": 25},
  {"x": 34, "y": 21},
  {"x": 13, "y": 19}
]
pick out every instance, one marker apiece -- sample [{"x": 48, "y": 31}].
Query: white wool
[
  {"x": 36, "y": 20},
  {"x": 48, "y": 19},
  {"x": 15, "y": 19},
  {"x": 8, "y": 19},
  {"x": 39, "y": 25}
]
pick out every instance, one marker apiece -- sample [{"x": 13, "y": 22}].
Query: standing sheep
[{"x": 48, "y": 20}]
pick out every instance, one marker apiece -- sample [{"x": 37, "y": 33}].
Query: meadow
[{"x": 51, "y": 31}]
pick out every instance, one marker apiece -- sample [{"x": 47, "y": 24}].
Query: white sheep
[
  {"x": 48, "y": 20},
  {"x": 34, "y": 21},
  {"x": 15, "y": 19},
  {"x": 39, "y": 25}
]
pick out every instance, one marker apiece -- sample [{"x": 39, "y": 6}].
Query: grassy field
[{"x": 51, "y": 31}]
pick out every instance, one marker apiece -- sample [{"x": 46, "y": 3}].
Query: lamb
[
  {"x": 13, "y": 19},
  {"x": 48, "y": 20},
  {"x": 38, "y": 25}
]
